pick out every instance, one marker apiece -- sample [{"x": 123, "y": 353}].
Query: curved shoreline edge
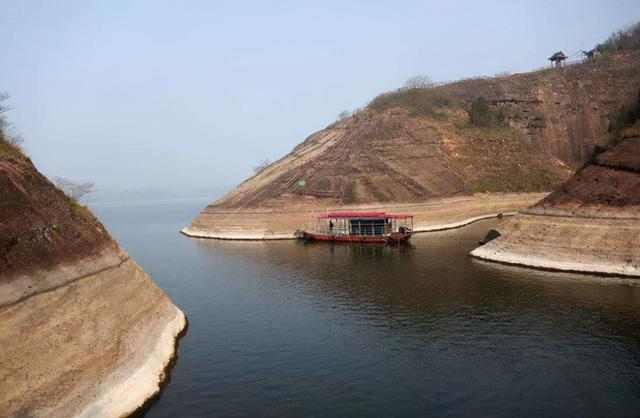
[
  {"x": 146, "y": 382},
  {"x": 418, "y": 230},
  {"x": 279, "y": 224},
  {"x": 590, "y": 224},
  {"x": 598, "y": 246},
  {"x": 102, "y": 343},
  {"x": 538, "y": 263}
]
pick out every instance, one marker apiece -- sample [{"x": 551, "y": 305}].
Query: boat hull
[{"x": 370, "y": 239}]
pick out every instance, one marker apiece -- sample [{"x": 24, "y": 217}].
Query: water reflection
[{"x": 287, "y": 329}]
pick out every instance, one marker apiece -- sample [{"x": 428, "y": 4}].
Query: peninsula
[{"x": 448, "y": 154}]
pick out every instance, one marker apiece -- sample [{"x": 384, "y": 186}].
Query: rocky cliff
[
  {"x": 590, "y": 224},
  {"x": 85, "y": 332},
  {"x": 526, "y": 133}
]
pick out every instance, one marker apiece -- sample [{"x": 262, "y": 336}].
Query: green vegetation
[
  {"x": 419, "y": 81},
  {"x": 500, "y": 159},
  {"x": 10, "y": 142},
  {"x": 626, "y": 117},
  {"x": 80, "y": 212},
  {"x": 482, "y": 114},
  {"x": 514, "y": 177},
  {"x": 422, "y": 101},
  {"x": 344, "y": 114},
  {"x": 349, "y": 192},
  {"x": 628, "y": 38}
]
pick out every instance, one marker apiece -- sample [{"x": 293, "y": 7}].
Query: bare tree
[
  {"x": 3, "y": 96},
  {"x": 418, "y": 81},
  {"x": 74, "y": 190},
  {"x": 263, "y": 164},
  {"x": 344, "y": 114}
]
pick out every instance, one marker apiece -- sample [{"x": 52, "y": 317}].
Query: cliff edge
[{"x": 85, "y": 331}]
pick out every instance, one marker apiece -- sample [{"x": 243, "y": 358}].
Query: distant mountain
[{"x": 116, "y": 195}]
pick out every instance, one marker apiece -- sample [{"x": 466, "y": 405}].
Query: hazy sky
[{"x": 154, "y": 94}]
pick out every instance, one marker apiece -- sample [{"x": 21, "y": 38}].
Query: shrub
[
  {"x": 625, "y": 117},
  {"x": 263, "y": 164},
  {"x": 349, "y": 192},
  {"x": 343, "y": 115},
  {"x": 421, "y": 101},
  {"x": 10, "y": 141},
  {"x": 483, "y": 115},
  {"x": 628, "y": 38},
  {"x": 418, "y": 81}
]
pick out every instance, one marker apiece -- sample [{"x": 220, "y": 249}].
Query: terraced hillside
[{"x": 525, "y": 133}]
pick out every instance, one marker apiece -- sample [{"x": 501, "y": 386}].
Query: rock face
[
  {"x": 85, "y": 332},
  {"x": 419, "y": 146},
  {"x": 590, "y": 224}
]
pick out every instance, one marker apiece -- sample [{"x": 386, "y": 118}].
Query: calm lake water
[{"x": 292, "y": 329}]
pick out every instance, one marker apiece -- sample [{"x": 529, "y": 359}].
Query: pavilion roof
[{"x": 558, "y": 56}]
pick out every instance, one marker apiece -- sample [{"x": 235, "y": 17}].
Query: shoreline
[
  {"x": 146, "y": 382},
  {"x": 165, "y": 377},
  {"x": 118, "y": 331},
  {"x": 552, "y": 266},
  {"x": 597, "y": 246},
  {"x": 264, "y": 224},
  {"x": 419, "y": 230}
]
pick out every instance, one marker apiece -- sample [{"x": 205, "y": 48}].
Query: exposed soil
[
  {"x": 612, "y": 180},
  {"x": 40, "y": 227},
  {"x": 553, "y": 119},
  {"x": 590, "y": 224},
  {"x": 84, "y": 330}
]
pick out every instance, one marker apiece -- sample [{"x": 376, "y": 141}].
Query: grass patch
[
  {"x": 482, "y": 114},
  {"x": 420, "y": 101},
  {"x": 349, "y": 192},
  {"x": 79, "y": 211},
  {"x": 10, "y": 151},
  {"x": 502, "y": 159}
]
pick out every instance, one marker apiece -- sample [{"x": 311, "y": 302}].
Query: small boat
[{"x": 369, "y": 227}]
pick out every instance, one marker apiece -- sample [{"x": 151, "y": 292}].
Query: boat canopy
[{"x": 364, "y": 215}]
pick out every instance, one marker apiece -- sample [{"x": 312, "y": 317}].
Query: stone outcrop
[
  {"x": 402, "y": 151},
  {"x": 590, "y": 224},
  {"x": 85, "y": 331}
]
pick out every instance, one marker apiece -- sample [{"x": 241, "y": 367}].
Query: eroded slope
[
  {"x": 397, "y": 151},
  {"x": 85, "y": 332},
  {"x": 590, "y": 224}
]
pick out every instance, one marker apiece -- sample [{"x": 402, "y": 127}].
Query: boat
[{"x": 361, "y": 227}]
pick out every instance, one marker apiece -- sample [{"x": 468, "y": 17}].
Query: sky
[{"x": 176, "y": 95}]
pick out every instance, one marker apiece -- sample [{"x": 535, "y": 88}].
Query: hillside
[
  {"x": 590, "y": 224},
  {"x": 419, "y": 144},
  {"x": 84, "y": 329},
  {"x": 526, "y": 133}
]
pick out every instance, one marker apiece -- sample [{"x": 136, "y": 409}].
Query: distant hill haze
[{"x": 529, "y": 133}]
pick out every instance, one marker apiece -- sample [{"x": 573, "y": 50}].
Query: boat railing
[{"x": 358, "y": 231}]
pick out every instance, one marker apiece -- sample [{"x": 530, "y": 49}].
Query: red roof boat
[{"x": 370, "y": 227}]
